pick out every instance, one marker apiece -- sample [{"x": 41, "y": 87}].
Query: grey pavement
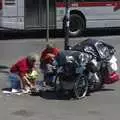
[{"x": 102, "y": 105}]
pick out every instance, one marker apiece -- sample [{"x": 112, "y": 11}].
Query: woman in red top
[
  {"x": 19, "y": 70},
  {"x": 47, "y": 58}
]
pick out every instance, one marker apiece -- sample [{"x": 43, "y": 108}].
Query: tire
[
  {"x": 80, "y": 89},
  {"x": 77, "y": 25}
]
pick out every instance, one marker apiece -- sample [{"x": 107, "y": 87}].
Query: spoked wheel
[{"x": 80, "y": 87}]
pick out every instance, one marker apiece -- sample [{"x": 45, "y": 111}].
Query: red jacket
[
  {"x": 21, "y": 67},
  {"x": 45, "y": 58}
]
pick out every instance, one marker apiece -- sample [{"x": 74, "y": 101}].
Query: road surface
[{"x": 102, "y": 105}]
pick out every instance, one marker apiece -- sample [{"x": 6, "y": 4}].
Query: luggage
[
  {"x": 111, "y": 78},
  {"x": 97, "y": 48}
]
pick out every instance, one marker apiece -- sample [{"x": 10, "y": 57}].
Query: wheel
[
  {"x": 77, "y": 25},
  {"x": 80, "y": 87}
]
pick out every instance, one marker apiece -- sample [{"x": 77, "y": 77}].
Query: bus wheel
[{"x": 77, "y": 25}]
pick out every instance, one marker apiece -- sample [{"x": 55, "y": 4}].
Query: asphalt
[{"x": 101, "y": 105}]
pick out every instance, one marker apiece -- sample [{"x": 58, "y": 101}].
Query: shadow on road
[
  {"x": 6, "y": 35},
  {"x": 104, "y": 90},
  {"x": 50, "y": 95},
  {"x": 6, "y": 89},
  {"x": 3, "y": 67}
]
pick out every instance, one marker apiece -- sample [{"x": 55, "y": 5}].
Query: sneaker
[
  {"x": 6, "y": 92},
  {"x": 15, "y": 91},
  {"x": 26, "y": 91}
]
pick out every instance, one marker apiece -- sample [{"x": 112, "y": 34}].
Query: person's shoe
[
  {"x": 26, "y": 91},
  {"x": 6, "y": 92},
  {"x": 15, "y": 91}
]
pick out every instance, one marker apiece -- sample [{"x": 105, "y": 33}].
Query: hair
[
  {"x": 33, "y": 57},
  {"x": 50, "y": 44}
]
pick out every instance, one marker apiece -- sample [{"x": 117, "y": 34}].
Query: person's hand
[
  {"x": 27, "y": 81},
  {"x": 51, "y": 55}
]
